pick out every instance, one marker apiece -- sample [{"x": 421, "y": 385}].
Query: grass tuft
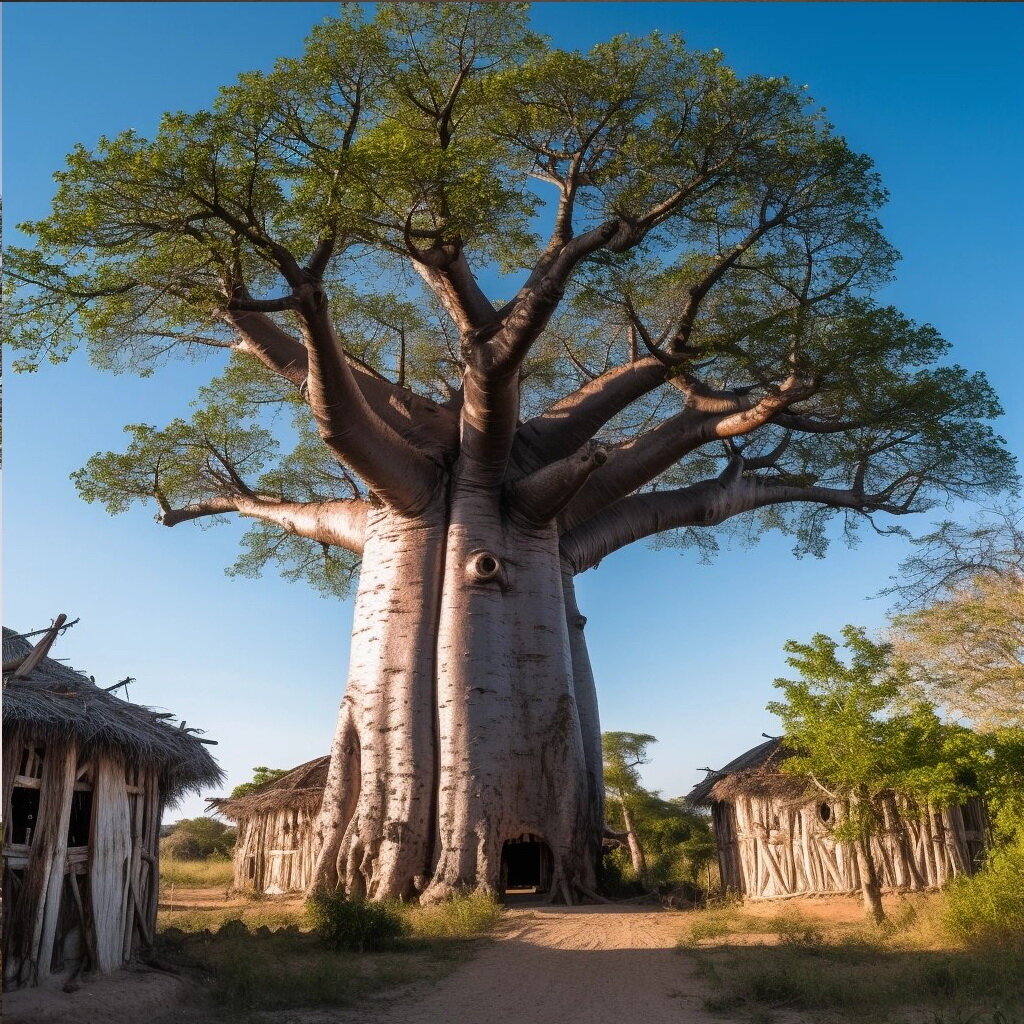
[{"x": 459, "y": 917}]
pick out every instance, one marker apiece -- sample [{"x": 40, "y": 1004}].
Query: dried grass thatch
[
  {"x": 755, "y": 773},
  {"x": 302, "y": 788},
  {"x": 54, "y": 704}
]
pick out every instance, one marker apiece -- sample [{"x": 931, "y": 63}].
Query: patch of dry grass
[
  {"x": 216, "y": 871},
  {"x": 762, "y": 965}
]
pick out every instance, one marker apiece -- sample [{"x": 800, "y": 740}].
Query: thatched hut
[
  {"x": 275, "y": 850},
  {"x": 86, "y": 776},
  {"x": 775, "y": 834}
]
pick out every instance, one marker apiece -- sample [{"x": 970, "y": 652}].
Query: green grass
[
  {"x": 760, "y": 967},
  {"x": 462, "y": 917},
  {"x": 196, "y": 873}
]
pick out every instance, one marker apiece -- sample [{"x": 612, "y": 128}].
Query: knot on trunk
[{"x": 485, "y": 567}]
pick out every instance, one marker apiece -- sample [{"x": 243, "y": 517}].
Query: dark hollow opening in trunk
[{"x": 525, "y": 865}]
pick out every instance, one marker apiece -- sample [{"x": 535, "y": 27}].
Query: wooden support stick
[{"x": 41, "y": 649}]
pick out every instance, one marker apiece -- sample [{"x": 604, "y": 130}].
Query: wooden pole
[{"x": 41, "y": 649}]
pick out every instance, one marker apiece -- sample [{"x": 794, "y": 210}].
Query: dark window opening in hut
[
  {"x": 81, "y": 818},
  {"x": 24, "y": 814},
  {"x": 825, "y": 813},
  {"x": 31, "y": 762},
  {"x": 525, "y": 865}
]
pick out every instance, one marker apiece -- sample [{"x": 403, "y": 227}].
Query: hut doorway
[{"x": 525, "y": 865}]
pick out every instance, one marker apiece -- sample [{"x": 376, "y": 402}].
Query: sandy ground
[
  {"x": 548, "y": 965},
  {"x": 127, "y": 997},
  {"x": 555, "y": 965}
]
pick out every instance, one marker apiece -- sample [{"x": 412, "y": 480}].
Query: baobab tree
[{"x": 525, "y": 307}]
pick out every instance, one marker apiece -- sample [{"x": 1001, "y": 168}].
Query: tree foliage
[
  {"x": 710, "y": 233},
  {"x": 260, "y": 775},
  {"x": 855, "y": 734},
  {"x": 676, "y": 840},
  {"x": 197, "y": 839},
  {"x": 962, "y": 639}
]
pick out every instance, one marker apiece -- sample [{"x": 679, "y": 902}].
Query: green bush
[
  {"x": 197, "y": 839},
  {"x": 357, "y": 925},
  {"x": 987, "y": 909}
]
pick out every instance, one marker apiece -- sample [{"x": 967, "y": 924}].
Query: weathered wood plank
[
  {"x": 64, "y": 777},
  {"x": 110, "y": 849}
]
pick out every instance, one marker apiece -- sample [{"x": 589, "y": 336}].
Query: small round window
[{"x": 825, "y": 812}]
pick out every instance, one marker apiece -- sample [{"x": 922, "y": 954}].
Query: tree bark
[
  {"x": 511, "y": 748},
  {"x": 870, "y": 887},
  {"x": 376, "y": 829},
  {"x": 636, "y": 851},
  {"x": 460, "y": 728}
]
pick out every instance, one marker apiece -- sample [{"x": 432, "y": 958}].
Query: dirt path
[
  {"x": 547, "y": 965},
  {"x": 556, "y": 965}
]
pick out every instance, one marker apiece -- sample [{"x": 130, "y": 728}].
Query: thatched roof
[
  {"x": 755, "y": 773},
  {"x": 301, "y": 788},
  {"x": 55, "y": 704}
]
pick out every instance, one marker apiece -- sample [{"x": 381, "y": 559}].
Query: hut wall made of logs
[
  {"x": 276, "y": 847},
  {"x": 86, "y": 777},
  {"x": 776, "y": 837}
]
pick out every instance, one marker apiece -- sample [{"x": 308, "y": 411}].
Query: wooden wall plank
[{"x": 109, "y": 851}]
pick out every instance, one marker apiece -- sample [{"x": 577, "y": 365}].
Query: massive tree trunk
[
  {"x": 460, "y": 728},
  {"x": 377, "y": 827}
]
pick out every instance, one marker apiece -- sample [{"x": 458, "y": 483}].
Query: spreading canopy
[{"x": 628, "y": 287}]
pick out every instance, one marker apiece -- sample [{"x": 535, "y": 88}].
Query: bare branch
[
  {"x": 707, "y": 503},
  {"x": 403, "y": 477},
  {"x": 640, "y": 460},
  {"x": 341, "y": 523},
  {"x": 573, "y": 420},
  {"x": 540, "y": 497}
]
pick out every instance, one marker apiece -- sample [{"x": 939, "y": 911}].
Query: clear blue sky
[{"x": 681, "y": 650}]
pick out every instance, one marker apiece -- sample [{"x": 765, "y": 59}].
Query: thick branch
[
  {"x": 572, "y": 421},
  {"x": 529, "y": 314},
  {"x": 403, "y": 477},
  {"x": 448, "y": 275},
  {"x": 420, "y": 421},
  {"x": 642, "y": 459},
  {"x": 707, "y": 503},
  {"x": 341, "y": 523},
  {"x": 540, "y": 497}
]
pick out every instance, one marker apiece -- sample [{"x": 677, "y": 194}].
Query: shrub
[
  {"x": 357, "y": 925},
  {"x": 988, "y": 908},
  {"x": 198, "y": 838}
]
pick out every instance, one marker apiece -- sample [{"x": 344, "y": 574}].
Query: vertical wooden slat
[
  {"x": 154, "y": 811},
  {"x": 135, "y": 811},
  {"x": 14, "y": 743},
  {"x": 64, "y": 778},
  {"x": 109, "y": 852}
]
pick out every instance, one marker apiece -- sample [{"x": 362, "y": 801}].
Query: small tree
[
  {"x": 856, "y": 737},
  {"x": 667, "y": 841},
  {"x": 260, "y": 775},
  {"x": 624, "y": 752}
]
